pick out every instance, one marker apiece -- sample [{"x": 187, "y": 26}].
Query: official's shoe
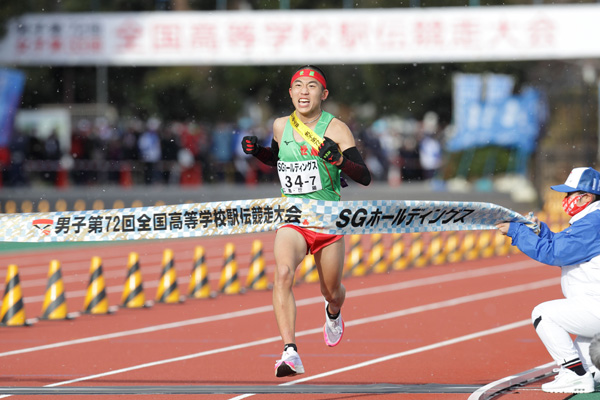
[
  {"x": 567, "y": 381},
  {"x": 289, "y": 364},
  {"x": 333, "y": 330}
]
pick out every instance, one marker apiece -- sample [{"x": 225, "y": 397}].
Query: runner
[{"x": 307, "y": 172}]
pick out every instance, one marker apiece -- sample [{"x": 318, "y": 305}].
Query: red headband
[{"x": 310, "y": 73}]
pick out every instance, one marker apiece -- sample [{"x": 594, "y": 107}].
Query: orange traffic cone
[
  {"x": 229, "y": 282},
  {"x": 13, "y": 308},
  {"x": 167, "y": 291},
  {"x": 355, "y": 265},
  {"x": 55, "y": 303},
  {"x": 397, "y": 258},
  {"x": 308, "y": 270},
  {"x": 199, "y": 284},
  {"x": 96, "y": 301},
  {"x": 436, "y": 248},
  {"x": 417, "y": 251},
  {"x": 257, "y": 277},
  {"x": 133, "y": 290},
  {"x": 377, "y": 261}
]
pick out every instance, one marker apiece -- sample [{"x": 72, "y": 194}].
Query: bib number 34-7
[{"x": 299, "y": 177}]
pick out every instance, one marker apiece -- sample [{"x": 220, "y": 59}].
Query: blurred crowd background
[{"x": 148, "y": 152}]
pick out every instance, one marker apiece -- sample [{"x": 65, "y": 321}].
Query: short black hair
[{"x": 319, "y": 70}]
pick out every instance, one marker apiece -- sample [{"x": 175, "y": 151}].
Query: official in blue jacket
[{"x": 576, "y": 250}]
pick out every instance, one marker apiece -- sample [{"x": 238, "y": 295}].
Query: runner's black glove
[
  {"x": 250, "y": 145},
  {"x": 329, "y": 151}
]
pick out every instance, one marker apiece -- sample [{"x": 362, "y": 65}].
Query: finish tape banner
[{"x": 252, "y": 216}]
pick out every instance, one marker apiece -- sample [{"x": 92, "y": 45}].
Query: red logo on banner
[{"x": 43, "y": 225}]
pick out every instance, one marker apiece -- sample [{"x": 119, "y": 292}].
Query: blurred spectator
[
  {"x": 150, "y": 151},
  {"x": 129, "y": 142},
  {"x": 36, "y": 147},
  {"x": 196, "y": 138},
  {"x": 245, "y": 170},
  {"x": 81, "y": 150},
  {"x": 430, "y": 149},
  {"x": 51, "y": 152},
  {"x": 18, "y": 153},
  {"x": 409, "y": 159},
  {"x": 114, "y": 155},
  {"x": 374, "y": 155},
  {"x": 430, "y": 156},
  {"x": 221, "y": 157},
  {"x": 170, "y": 147}
]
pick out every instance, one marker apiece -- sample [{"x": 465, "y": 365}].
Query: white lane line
[
  {"x": 362, "y": 321},
  {"x": 418, "y": 350},
  {"x": 150, "y": 329},
  {"x": 302, "y": 302},
  {"x": 457, "y": 301}
]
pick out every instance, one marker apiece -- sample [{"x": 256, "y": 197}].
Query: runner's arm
[
  {"x": 353, "y": 165},
  {"x": 268, "y": 155},
  {"x": 351, "y": 162}
]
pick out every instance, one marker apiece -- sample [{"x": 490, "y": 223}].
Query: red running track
[{"x": 466, "y": 323}]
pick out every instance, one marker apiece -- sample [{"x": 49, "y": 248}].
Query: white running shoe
[
  {"x": 567, "y": 381},
  {"x": 333, "y": 330},
  {"x": 289, "y": 364}
]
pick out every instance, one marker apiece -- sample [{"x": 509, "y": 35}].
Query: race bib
[{"x": 299, "y": 177}]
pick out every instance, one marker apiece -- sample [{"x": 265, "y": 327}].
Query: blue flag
[
  {"x": 11, "y": 88},
  {"x": 486, "y": 113}
]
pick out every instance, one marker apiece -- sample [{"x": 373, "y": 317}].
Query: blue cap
[{"x": 581, "y": 180}]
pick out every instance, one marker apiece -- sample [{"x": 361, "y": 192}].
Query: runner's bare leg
[
  {"x": 330, "y": 264},
  {"x": 290, "y": 249}
]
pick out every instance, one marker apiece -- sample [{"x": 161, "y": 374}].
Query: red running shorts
[{"x": 314, "y": 241}]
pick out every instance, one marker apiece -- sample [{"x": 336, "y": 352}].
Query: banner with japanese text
[
  {"x": 334, "y": 36},
  {"x": 252, "y": 216}
]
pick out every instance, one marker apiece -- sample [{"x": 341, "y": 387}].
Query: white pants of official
[{"x": 579, "y": 316}]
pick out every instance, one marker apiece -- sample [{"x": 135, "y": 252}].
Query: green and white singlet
[{"x": 301, "y": 171}]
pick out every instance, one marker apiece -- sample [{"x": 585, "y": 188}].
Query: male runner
[{"x": 319, "y": 179}]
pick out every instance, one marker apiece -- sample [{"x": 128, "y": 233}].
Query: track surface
[{"x": 427, "y": 333}]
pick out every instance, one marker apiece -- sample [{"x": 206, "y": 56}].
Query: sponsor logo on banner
[{"x": 44, "y": 225}]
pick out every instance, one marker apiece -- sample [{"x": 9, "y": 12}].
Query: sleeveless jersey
[{"x": 301, "y": 171}]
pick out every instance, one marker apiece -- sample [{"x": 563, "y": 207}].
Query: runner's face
[{"x": 307, "y": 95}]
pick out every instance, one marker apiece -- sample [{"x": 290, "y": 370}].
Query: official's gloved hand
[
  {"x": 329, "y": 151},
  {"x": 250, "y": 144}
]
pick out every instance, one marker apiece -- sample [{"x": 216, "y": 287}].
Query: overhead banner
[
  {"x": 391, "y": 35},
  {"x": 252, "y": 216}
]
